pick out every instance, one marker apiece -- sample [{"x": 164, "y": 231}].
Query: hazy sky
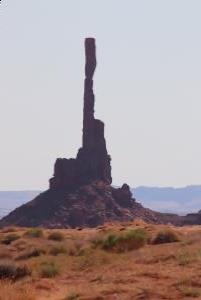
[{"x": 147, "y": 86}]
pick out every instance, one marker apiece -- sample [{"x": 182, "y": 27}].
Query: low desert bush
[
  {"x": 96, "y": 241},
  {"x": 76, "y": 248},
  {"x": 56, "y": 236},
  {"x": 72, "y": 296},
  {"x": 20, "y": 244},
  {"x": 186, "y": 258},
  {"x": 56, "y": 250},
  {"x": 190, "y": 292},
  {"x": 166, "y": 236},
  {"x": 33, "y": 252},
  {"x": 9, "y": 229},
  {"x": 93, "y": 259},
  {"x": 9, "y": 270},
  {"x": 8, "y": 239},
  {"x": 49, "y": 270},
  {"x": 122, "y": 242},
  {"x": 110, "y": 241},
  {"x": 34, "y": 233}
]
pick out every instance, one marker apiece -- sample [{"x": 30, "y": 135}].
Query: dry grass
[
  {"x": 34, "y": 233},
  {"x": 10, "y": 270},
  {"x": 56, "y": 236},
  {"x": 90, "y": 265},
  {"x": 72, "y": 296},
  {"x": 9, "y": 238},
  {"x": 29, "y": 253},
  {"x": 49, "y": 270},
  {"x": 9, "y": 291},
  {"x": 9, "y": 229},
  {"x": 166, "y": 236},
  {"x": 58, "y": 249},
  {"x": 4, "y": 254}
]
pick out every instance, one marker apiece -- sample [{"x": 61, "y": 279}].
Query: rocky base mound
[{"x": 88, "y": 206}]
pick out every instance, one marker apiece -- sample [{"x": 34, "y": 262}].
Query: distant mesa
[{"x": 80, "y": 192}]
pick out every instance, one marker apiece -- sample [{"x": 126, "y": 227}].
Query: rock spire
[{"x": 92, "y": 162}]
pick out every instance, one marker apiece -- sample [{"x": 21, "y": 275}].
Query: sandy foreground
[{"x": 75, "y": 264}]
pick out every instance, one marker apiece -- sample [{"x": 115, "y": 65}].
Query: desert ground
[{"x": 122, "y": 261}]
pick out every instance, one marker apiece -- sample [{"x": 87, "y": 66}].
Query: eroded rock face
[
  {"x": 92, "y": 162},
  {"x": 88, "y": 206},
  {"x": 123, "y": 196}
]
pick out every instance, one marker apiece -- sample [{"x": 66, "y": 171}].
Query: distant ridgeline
[
  {"x": 9, "y": 200},
  {"x": 181, "y": 200}
]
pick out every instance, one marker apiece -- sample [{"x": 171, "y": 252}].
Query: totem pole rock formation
[
  {"x": 92, "y": 162},
  {"x": 80, "y": 192}
]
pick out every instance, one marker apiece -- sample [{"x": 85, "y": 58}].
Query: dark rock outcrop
[
  {"x": 88, "y": 206},
  {"x": 92, "y": 162}
]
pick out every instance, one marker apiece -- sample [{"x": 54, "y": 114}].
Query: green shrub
[
  {"x": 166, "y": 236},
  {"x": 122, "y": 242},
  {"x": 8, "y": 239},
  {"x": 49, "y": 270},
  {"x": 56, "y": 250},
  {"x": 34, "y": 233},
  {"x": 9, "y": 270},
  {"x": 110, "y": 241},
  {"x": 56, "y": 236}
]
